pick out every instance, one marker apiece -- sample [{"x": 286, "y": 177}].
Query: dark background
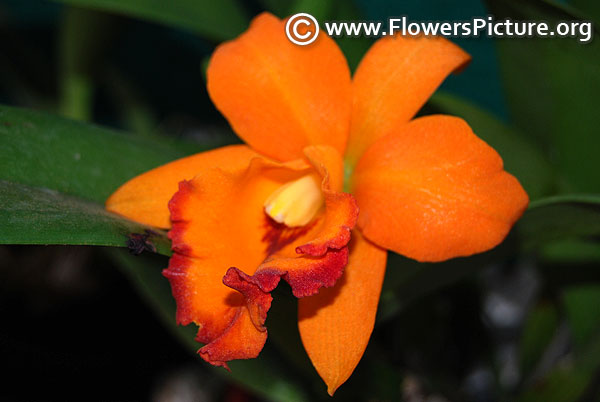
[{"x": 75, "y": 326}]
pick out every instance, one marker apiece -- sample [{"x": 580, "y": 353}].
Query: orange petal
[
  {"x": 219, "y": 222},
  {"x": 280, "y": 97},
  {"x": 433, "y": 191},
  {"x": 393, "y": 81},
  {"x": 145, "y": 197},
  {"x": 336, "y": 324}
]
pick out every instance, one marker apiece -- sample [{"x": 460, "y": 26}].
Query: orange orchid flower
[{"x": 321, "y": 146}]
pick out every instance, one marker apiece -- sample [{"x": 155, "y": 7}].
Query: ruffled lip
[{"x": 229, "y": 255}]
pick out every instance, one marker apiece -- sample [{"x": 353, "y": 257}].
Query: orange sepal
[
  {"x": 280, "y": 97},
  {"x": 393, "y": 81},
  {"x": 145, "y": 197},
  {"x": 336, "y": 324},
  {"x": 433, "y": 190}
]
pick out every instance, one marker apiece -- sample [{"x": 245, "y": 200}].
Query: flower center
[{"x": 297, "y": 202}]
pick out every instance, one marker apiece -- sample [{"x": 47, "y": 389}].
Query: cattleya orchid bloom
[{"x": 321, "y": 147}]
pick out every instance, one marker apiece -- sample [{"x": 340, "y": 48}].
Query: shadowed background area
[{"x": 97, "y": 323}]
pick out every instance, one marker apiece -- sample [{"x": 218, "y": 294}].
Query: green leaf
[
  {"x": 219, "y": 20},
  {"x": 521, "y": 158},
  {"x": 31, "y": 215},
  {"x": 57, "y": 173},
  {"x": 83, "y": 160},
  {"x": 538, "y": 331},
  {"x": 552, "y": 86},
  {"x": 560, "y": 385},
  {"x": 573, "y": 376},
  {"x": 571, "y": 251},
  {"x": 560, "y": 218},
  {"x": 584, "y": 320},
  {"x": 265, "y": 375}
]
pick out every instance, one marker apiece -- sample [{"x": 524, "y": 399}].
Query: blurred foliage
[
  {"x": 588, "y": 8},
  {"x": 217, "y": 20},
  {"x": 552, "y": 86},
  {"x": 560, "y": 218},
  {"x": 538, "y": 331},
  {"x": 136, "y": 65},
  {"x": 84, "y": 38}
]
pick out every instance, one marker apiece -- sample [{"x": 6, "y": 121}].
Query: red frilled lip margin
[{"x": 229, "y": 255}]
